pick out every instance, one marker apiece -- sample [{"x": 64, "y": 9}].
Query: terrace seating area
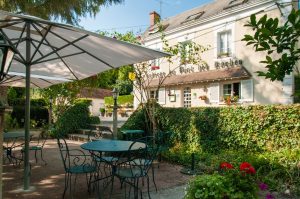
[{"x": 48, "y": 181}]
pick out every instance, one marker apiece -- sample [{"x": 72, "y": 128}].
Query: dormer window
[
  {"x": 193, "y": 17},
  {"x": 234, "y": 3}
]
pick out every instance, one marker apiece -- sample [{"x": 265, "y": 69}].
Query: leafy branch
[{"x": 279, "y": 42}]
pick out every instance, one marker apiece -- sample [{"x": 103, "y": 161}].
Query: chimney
[{"x": 154, "y": 18}]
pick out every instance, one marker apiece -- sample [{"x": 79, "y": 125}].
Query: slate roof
[
  {"x": 207, "y": 76},
  {"x": 200, "y": 13},
  {"x": 97, "y": 93}
]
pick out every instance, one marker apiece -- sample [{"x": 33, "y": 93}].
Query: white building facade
[{"x": 229, "y": 68}]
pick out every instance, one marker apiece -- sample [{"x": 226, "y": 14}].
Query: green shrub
[
  {"x": 94, "y": 120},
  {"x": 216, "y": 186},
  {"x": 39, "y": 115},
  {"x": 75, "y": 117},
  {"x": 266, "y": 136}
]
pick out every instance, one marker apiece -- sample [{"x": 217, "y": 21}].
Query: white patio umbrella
[
  {"x": 14, "y": 79},
  {"x": 44, "y": 48}
]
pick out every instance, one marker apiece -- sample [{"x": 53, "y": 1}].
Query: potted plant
[
  {"x": 102, "y": 111},
  {"x": 109, "y": 112},
  {"x": 203, "y": 97},
  {"x": 223, "y": 54}
]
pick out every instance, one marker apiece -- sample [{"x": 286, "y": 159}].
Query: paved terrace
[{"x": 48, "y": 180}]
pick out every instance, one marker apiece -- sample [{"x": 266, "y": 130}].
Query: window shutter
[
  {"x": 247, "y": 90},
  {"x": 162, "y": 96},
  {"x": 214, "y": 92}
]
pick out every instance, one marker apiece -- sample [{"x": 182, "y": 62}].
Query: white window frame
[
  {"x": 186, "y": 99},
  {"x": 219, "y": 29},
  {"x": 232, "y": 90},
  {"x": 227, "y": 45}
]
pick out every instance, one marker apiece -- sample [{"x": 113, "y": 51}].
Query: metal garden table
[
  {"x": 96, "y": 148},
  {"x": 10, "y": 138}
]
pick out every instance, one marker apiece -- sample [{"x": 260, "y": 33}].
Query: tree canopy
[{"x": 68, "y": 11}]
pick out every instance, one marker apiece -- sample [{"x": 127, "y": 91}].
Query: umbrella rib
[
  {"x": 35, "y": 84},
  {"x": 7, "y": 79},
  {"x": 58, "y": 49},
  {"x": 21, "y": 37},
  {"x": 55, "y": 50},
  {"x": 40, "y": 43},
  {"x": 37, "y": 41},
  {"x": 14, "y": 80},
  {"x": 36, "y": 49},
  {"x": 11, "y": 44},
  {"x": 100, "y": 60},
  {"x": 10, "y": 24},
  {"x": 64, "y": 56},
  {"x": 11, "y": 20}
]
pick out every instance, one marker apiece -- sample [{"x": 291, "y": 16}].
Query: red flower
[
  {"x": 226, "y": 165},
  {"x": 248, "y": 168}
]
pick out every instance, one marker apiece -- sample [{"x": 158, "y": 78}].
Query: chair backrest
[
  {"x": 164, "y": 138},
  {"x": 72, "y": 157},
  {"x": 42, "y": 138},
  {"x": 141, "y": 157},
  {"x": 64, "y": 152}
]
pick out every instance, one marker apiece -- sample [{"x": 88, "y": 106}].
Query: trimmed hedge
[
  {"x": 254, "y": 128},
  {"x": 75, "y": 117},
  {"x": 39, "y": 115},
  {"x": 122, "y": 100}
]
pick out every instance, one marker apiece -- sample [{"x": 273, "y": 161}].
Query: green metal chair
[
  {"x": 75, "y": 162},
  {"x": 136, "y": 165},
  {"x": 164, "y": 140},
  {"x": 38, "y": 146}
]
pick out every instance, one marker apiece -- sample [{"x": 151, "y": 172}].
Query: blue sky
[{"x": 133, "y": 15}]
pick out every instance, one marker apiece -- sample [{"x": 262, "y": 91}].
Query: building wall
[
  {"x": 96, "y": 105},
  {"x": 206, "y": 34}
]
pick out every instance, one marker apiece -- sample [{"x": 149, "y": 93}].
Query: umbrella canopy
[
  {"x": 63, "y": 51},
  {"x": 44, "y": 48},
  {"x": 14, "y": 79}
]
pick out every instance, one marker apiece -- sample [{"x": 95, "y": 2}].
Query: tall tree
[{"x": 68, "y": 11}]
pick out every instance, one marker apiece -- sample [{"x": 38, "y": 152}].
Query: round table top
[
  {"x": 112, "y": 145},
  {"x": 13, "y": 135}
]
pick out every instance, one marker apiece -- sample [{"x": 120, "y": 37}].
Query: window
[
  {"x": 193, "y": 17},
  {"x": 224, "y": 41},
  {"x": 234, "y": 3},
  {"x": 155, "y": 64},
  {"x": 187, "y": 97},
  {"x": 154, "y": 94},
  {"x": 232, "y": 90}
]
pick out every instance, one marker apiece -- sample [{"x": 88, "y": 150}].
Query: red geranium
[
  {"x": 226, "y": 165},
  {"x": 248, "y": 168}
]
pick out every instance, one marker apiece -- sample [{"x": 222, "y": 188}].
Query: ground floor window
[
  {"x": 154, "y": 94},
  {"x": 231, "y": 90},
  {"x": 187, "y": 97}
]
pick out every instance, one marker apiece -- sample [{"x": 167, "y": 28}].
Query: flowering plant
[{"x": 229, "y": 182}]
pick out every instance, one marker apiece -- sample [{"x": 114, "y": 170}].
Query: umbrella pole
[{"x": 27, "y": 110}]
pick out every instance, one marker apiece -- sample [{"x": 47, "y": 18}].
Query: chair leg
[
  {"x": 66, "y": 184},
  {"x": 112, "y": 185},
  {"x": 153, "y": 178},
  {"x": 42, "y": 157},
  {"x": 35, "y": 151},
  {"x": 148, "y": 187}
]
